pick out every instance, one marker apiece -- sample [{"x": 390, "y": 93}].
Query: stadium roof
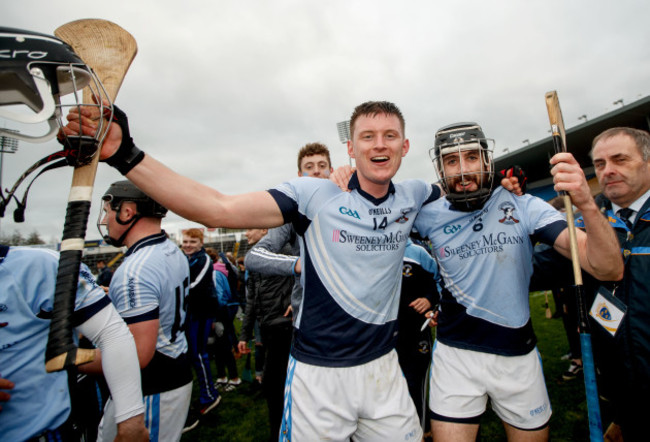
[{"x": 534, "y": 158}]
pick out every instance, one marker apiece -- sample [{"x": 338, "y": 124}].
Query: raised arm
[
  {"x": 197, "y": 202},
  {"x": 598, "y": 247},
  {"x": 182, "y": 195}
]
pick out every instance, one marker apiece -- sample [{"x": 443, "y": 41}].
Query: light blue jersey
[
  {"x": 152, "y": 283},
  {"x": 27, "y": 282},
  {"x": 352, "y": 248},
  {"x": 485, "y": 262}
]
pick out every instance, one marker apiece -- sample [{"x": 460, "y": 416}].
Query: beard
[{"x": 462, "y": 182}]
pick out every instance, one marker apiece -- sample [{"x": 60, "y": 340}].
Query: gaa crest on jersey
[
  {"x": 508, "y": 210},
  {"x": 450, "y": 229},
  {"x": 349, "y": 212}
]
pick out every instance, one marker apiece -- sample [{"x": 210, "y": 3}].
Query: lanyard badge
[{"x": 608, "y": 311}]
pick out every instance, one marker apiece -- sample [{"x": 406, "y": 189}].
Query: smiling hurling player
[
  {"x": 344, "y": 379},
  {"x": 483, "y": 241}
]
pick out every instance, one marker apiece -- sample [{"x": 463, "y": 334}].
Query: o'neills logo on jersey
[
  {"x": 378, "y": 243},
  {"x": 379, "y": 211},
  {"x": 492, "y": 243},
  {"x": 508, "y": 210}
]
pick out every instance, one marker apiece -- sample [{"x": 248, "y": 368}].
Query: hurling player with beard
[{"x": 483, "y": 238}]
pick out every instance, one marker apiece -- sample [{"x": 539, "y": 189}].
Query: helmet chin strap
[
  {"x": 469, "y": 201},
  {"x": 120, "y": 241}
]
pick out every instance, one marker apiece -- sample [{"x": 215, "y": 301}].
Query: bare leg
[
  {"x": 517, "y": 435},
  {"x": 452, "y": 432}
]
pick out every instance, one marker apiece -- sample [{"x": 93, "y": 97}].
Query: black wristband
[
  {"x": 125, "y": 159},
  {"x": 127, "y": 155}
]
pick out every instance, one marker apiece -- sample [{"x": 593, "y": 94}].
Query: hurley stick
[
  {"x": 108, "y": 50},
  {"x": 591, "y": 389}
]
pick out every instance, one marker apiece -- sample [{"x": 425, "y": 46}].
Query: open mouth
[
  {"x": 380, "y": 159},
  {"x": 465, "y": 185}
]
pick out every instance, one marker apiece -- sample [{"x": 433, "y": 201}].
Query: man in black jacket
[
  {"x": 268, "y": 299},
  {"x": 621, "y": 158}
]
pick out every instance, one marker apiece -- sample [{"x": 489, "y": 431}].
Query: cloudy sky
[{"x": 226, "y": 92}]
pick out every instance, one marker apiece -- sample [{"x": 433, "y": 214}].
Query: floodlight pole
[
  {"x": 343, "y": 129},
  {"x": 7, "y": 145}
]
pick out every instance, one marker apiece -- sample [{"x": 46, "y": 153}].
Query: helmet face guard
[
  {"x": 36, "y": 71},
  {"x": 458, "y": 139}
]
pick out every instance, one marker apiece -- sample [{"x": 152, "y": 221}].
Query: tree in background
[{"x": 17, "y": 239}]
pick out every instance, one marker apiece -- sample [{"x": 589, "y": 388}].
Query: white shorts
[
  {"x": 461, "y": 381},
  {"x": 164, "y": 415},
  {"x": 370, "y": 402}
]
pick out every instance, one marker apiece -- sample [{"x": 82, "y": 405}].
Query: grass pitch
[{"x": 242, "y": 415}]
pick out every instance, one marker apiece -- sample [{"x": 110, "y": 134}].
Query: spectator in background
[
  {"x": 269, "y": 304},
  {"x": 222, "y": 349},
  {"x": 201, "y": 311},
  {"x": 313, "y": 161},
  {"x": 104, "y": 274},
  {"x": 621, "y": 158},
  {"x": 419, "y": 296}
]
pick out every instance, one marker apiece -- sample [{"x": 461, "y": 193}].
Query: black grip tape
[
  {"x": 60, "y": 339},
  {"x": 76, "y": 220}
]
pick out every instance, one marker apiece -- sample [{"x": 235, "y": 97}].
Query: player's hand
[
  {"x": 433, "y": 318},
  {"x": 242, "y": 346},
  {"x": 288, "y": 312},
  {"x": 569, "y": 177},
  {"x": 420, "y": 305},
  {"x": 85, "y": 119},
  {"x": 512, "y": 184},
  {"x": 132, "y": 429},
  {"x": 5, "y": 384},
  {"x": 513, "y": 179},
  {"x": 297, "y": 268},
  {"x": 341, "y": 177}
]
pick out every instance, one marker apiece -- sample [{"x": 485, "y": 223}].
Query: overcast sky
[{"x": 226, "y": 92}]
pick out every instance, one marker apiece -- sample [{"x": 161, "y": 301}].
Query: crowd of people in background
[{"x": 328, "y": 329}]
